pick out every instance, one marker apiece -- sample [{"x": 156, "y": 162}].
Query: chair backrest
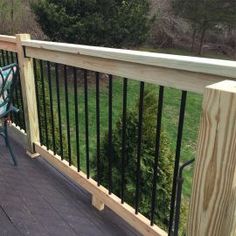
[{"x": 8, "y": 76}]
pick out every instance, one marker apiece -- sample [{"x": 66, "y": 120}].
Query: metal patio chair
[{"x": 8, "y": 77}]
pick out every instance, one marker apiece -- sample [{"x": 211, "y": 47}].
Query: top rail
[
  {"x": 8, "y": 43},
  {"x": 8, "y": 38},
  {"x": 181, "y": 72},
  {"x": 216, "y": 67}
]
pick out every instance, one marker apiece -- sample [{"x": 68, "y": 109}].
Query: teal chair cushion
[{"x": 7, "y": 75}]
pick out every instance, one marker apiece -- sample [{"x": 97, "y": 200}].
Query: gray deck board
[{"x": 35, "y": 199}]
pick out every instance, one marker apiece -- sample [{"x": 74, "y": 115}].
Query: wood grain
[
  {"x": 213, "y": 201},
  {"x": 28, "y": 93},
  {"x": 139, "y": 222},
  {"x": 97, "y": 203},
  {"x": 8, "y": 43},
  {"x": 179, "y": 79},
  {"x": 7, "y": 46},
  {"x": 8, "y": 38},
  {"x": 185, "y": 63}
]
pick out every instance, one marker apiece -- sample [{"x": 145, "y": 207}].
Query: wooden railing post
[
  {"x": 29, "y": 95},
  {"x": 213, "y": 200}
]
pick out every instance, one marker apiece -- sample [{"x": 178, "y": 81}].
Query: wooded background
[{"x": 171, "y": 28}]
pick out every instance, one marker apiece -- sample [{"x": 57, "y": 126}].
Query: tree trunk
[
  {"x": 203, "y": 34},
  {"x": 12, "y": 17},
  {"x": 193, "y": 39}
]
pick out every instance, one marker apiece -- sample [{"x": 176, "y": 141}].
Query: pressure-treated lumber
[
  {"x": 11, "y": 47},
  {"x": 185, "y": 63},
  {"x": 213, "y": 201},
  {"x": 139, "y": 222},
  {"x": 16, "y": 133},
  {"x": 28, "y": 94},
  {"x": 97, "y": 203},
  {"x": 8, "y": 38},
  {"x": 8, "y": 43},
  {"x": 180, "y": 79}
]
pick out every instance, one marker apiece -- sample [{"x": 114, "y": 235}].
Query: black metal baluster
[
  {"x": 12, "y": 57},
  {"x": 16, "y": 100},
  {"x": 59, "y": 110},
  {"x": 140, "y": 127},
  {"x": 177, "y": 159},
  {"x": 1, "y": 61},
  {"x": 98, "y": 128},
  {"x": 76, "y": 118},
  {"x": 21, "y": 97},
  {"x": 178, "y": 195},
  {"x": 110, "y": 134},
  {"x": 51, "y": 106},
  {"x": 86, "y": 122},
  {"x": 157, "y": 153},
  {"x": 37, "y": 99},
  {"x": 67, "y": 114},
  {"x": 44, "y": 103},
  {"x": 12, "y": 115},
  {"x": 3, "y": 58},
  {"x": 124, "y": 155},
  {"x": 7, "y": 58}
]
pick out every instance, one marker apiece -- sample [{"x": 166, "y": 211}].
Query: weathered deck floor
[{"x": 37, "y": 200}]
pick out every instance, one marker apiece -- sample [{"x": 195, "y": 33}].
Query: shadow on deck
[{"x": 35, "y": 199}]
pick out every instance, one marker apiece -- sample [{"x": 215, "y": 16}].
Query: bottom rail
[{"x": 125, "y": 211}]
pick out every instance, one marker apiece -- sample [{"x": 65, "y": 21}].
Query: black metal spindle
[
  {"x": 12, "y": 57},
  {"x": 21, "y": 96},
  {"x": 124, "y": 155},
  {"x": 67, "y": 114},
  {"x": 177, "y": 159},
  {"x": 3, "y": 58},
  {"x": 51, "y": 106},
  {"x": 59, "y": 110},
  {"x": 15, "y": 116},
  {"x": 76, "y": 118},
  {"x": 98, "y": 127},
  {"x": 44, "y": 102},
  {"x": 140, "y": 127},
  {"x": 157, "y": 153},
  {"x": 7, "y": 58},
  {"x": 1, "y": 61},
  {"x": 37, "y": 99},
  {"x": 12, "y": 115},
  {"x": 86, "y": 122},
  {"x": 178, "y": 195},
  {"x": 15, "y": 100},
  {"x": 110, "y": 134}
]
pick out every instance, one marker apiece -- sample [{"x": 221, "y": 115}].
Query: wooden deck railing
[{"x": 213, "y": 200}]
